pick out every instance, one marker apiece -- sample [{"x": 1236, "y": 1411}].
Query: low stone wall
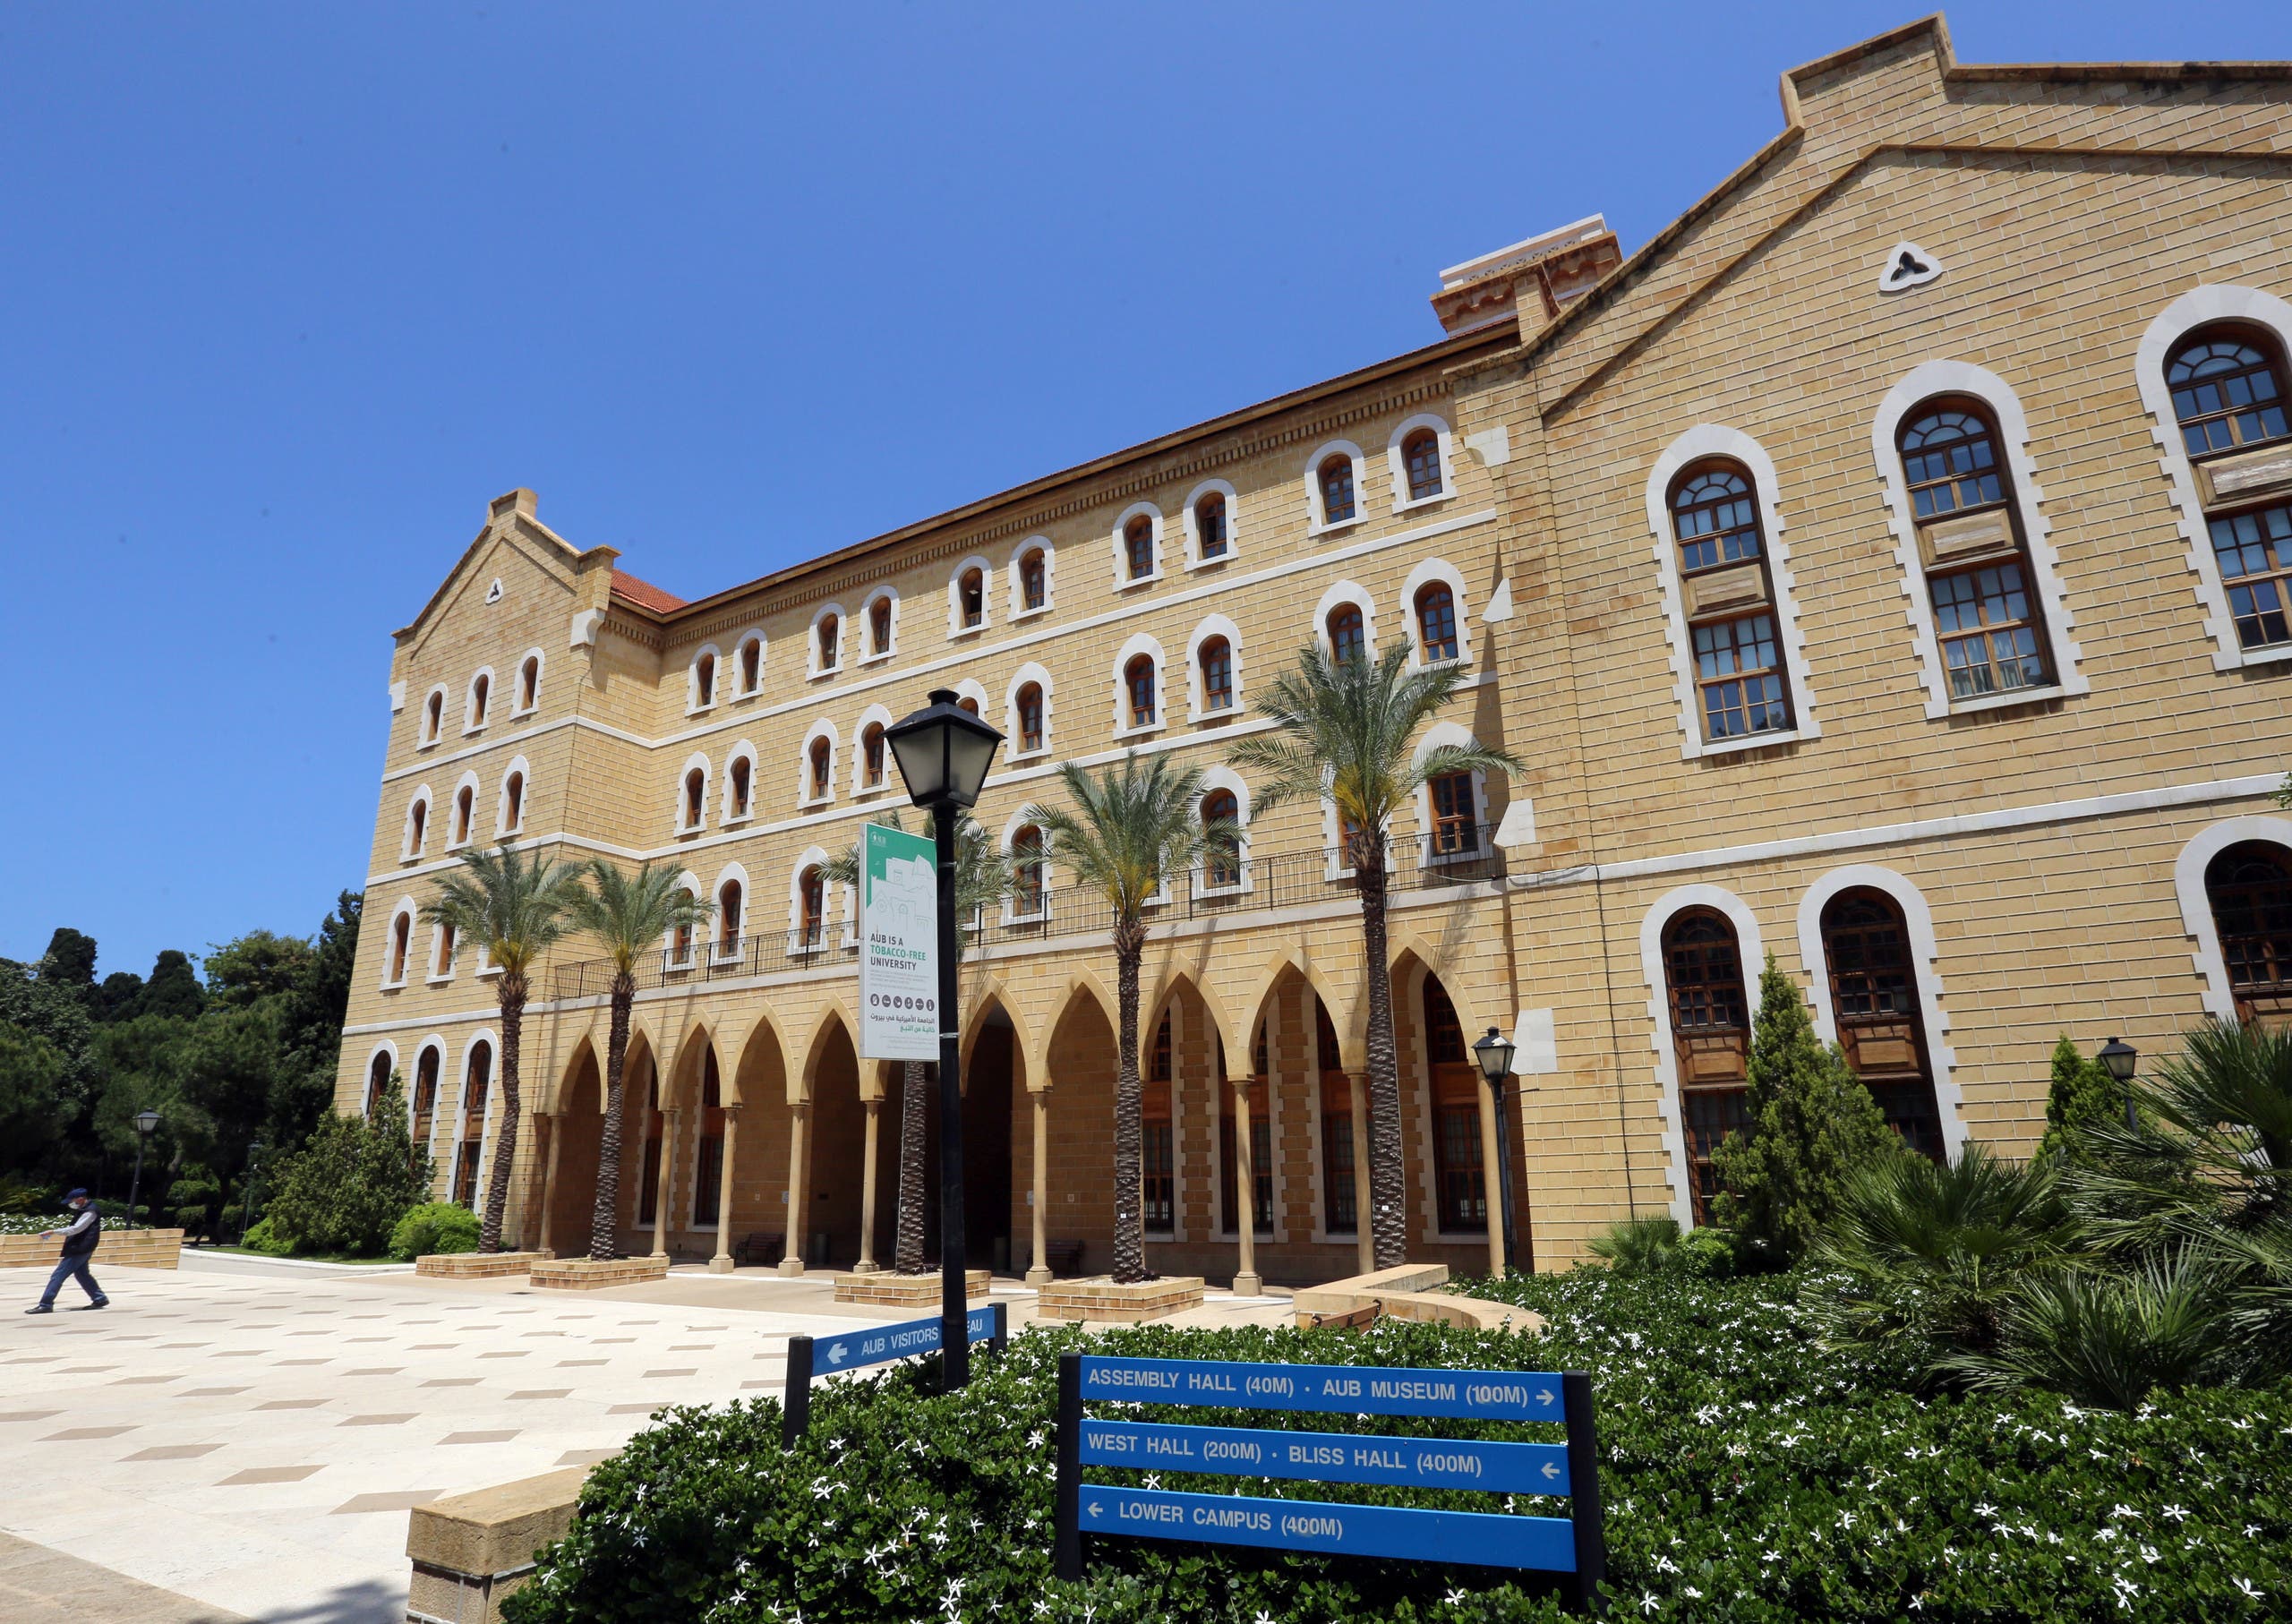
[
  {"x": 1101, "y": 1302},
  {"x": 587, "y": 1274},
  {"x": 917, "y": 1291},
  {"x": 472, "y": 1552},
  {"x": 1410, "y": 1292},
  {"x": 119, "y": 1249},
  {"x": 477, "y": 1265}
]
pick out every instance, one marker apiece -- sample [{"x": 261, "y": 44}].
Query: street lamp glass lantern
[
  {"x": 2118, "y": 1056},
  {"x": 1495, "y": 1053},
  {"x": 145, "y": 1121},
  {"x": 943, "y": 751}
]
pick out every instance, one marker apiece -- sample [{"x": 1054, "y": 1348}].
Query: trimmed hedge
[{"x": 1749, "y": 1473}]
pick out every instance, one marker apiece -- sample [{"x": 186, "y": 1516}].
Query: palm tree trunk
[
  {"x": 907, "y": 1254},
  {"x": 1388, "y": 1190},
  {"x": 505, "y": 1148},
  {"x": 604, "y": 1217},
  {"x": 1129, "y": 1106}
]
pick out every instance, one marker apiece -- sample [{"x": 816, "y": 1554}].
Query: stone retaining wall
[
  {"x": 1100, "y": 1300},
  {"x": 472, "y": 1552},
  {"x": 587, "y": 1274},
  {"x": 119, "y": 1249},
  {"x": 1410, "y": 1292},
  {"x": 476, "y": 1265},
  {"x": 917, "y": 1291}
]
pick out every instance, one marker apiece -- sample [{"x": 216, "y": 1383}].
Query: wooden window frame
[
  {"x": 1990, "y": 633},
  {"x": 1727, "y": 593}
]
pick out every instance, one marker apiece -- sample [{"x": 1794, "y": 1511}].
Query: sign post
[
  {"x": 899, "y": 945},
  {"x": 813, "y": 1357}
]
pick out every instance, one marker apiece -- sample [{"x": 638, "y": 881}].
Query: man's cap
[{"x": 76, "y": 1195}]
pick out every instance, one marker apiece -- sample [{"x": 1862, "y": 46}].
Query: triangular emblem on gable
[
  {"x": 1907, "y": 266},
  {"x": 494, "y": 593}
]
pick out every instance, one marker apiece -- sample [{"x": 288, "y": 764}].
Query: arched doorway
[
  {"x": 1875, "y": 1002},
  {"x": 1459, "y": 1172},
  {"x": 577, "y": 1133},
  {"x": 2249, "y": 886}
]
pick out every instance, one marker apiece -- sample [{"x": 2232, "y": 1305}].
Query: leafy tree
[
  {"x": 1812, "y": 1127},
  {"x": 1127, "y": 834},
  {"x": 628, "y": 914},
  {"x": 1347, "y": 728},
  {"x": 2082, "y": 1095},
  {"x": 259, "y": 965},
  {"x": 345, "y": 1190},
  {"x": 120, "y": 991},
  {"x": 71, "y": 962},
  {"x": 515, "y": 910},
  {"x": 173, "y": 989},
  {"x": 982, "y": 881},
  {"x": 32, "y": 1075}
]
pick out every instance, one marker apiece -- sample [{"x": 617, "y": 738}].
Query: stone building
[{"x": 1884, "y": 568}]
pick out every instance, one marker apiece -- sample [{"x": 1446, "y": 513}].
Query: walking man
[{"x": 80, "y": 1238}]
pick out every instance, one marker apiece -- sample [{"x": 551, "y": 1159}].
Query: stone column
[
  {"x": 1246, "y": 1283},
  {"x": 551, "y": 1125},
  {"x": 1040, "y": 1274},
  {"x": 1357, "y": 1085},
  {"x": 721, "y": 1263},
  {"x": 1492, "y": 1147},
  {"x": 867, "y": 1263},
  {"x": 799, "y": 1167},
  {"x": 664, "y": 1194}
]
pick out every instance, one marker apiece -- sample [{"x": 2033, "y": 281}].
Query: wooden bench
[
  {"x": 762, "y": 1248},
  {"x": 1063, "y": 1257}
]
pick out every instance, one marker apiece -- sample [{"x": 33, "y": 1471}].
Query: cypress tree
[{"x": 2084, "y": 1095}]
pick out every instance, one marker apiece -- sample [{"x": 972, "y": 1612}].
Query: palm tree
[
  {"x": 628, "y": 914},
  {"x": 982, "y": 881},
  {"x": 1342, "y": 731},
  {"x": 1127, "y": 834},
  {"x": 514, "y": 910}
]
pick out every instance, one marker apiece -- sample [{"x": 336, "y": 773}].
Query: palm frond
[
  {"x": 1127, "y": 830},
  {"x": 629, "y": 912},
  {"x": 513, "y": 906}
]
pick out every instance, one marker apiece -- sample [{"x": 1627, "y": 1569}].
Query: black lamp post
[
  {"x": 1495, "y": 1053},
  {"x": 943, "y": 752},
  {"x": 2118, "y": 1057},
  {"x": 246, "y": 1208},
  {"x": 145, "y": 1121}
]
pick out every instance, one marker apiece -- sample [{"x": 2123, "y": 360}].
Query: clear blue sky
[{"x": 288, "y": 291}]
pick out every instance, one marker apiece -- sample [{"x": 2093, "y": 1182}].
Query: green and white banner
[{"x": 899, "y": 945}]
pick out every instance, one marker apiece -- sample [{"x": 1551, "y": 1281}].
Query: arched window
[
  {"x": 1436, "y": 621},
  {"x": 704, "y": 681},
  {"x": 480, "y": 1080},
  {"x": 1217, "y": 659},
  {"x": 971, "y": 592},
  {"x": 378, "y": 1078},
  {"x": 513, "y": 803},
  {"x": 968, "y": 702},
  {"x": 1455, "y": 815},
  {"x": 740, "y": 776},
  {"x": 1420, "y": 455},
  {"x": 1460, "y": 1181},
  {"x": 464, "y": 806},
  {"x": 879, "y": 627},
  {"x": 1034, "y": 580},
  {"x": 823, "y": 780},
  {"x": 1222, "y": 867},
  {"x": 728, "y": 919},
  {"x": 751, "y": 664},
  {"x": 1158, "y": 1143},
  {"x": 2250, "y": 888},
  {"x": 829, "y": 634},
  {"x": 811, "y": 908},
  {"x": 1209, "y": 526},
  {"x": 1969, "y": 534},
  {"x": 1348, "y": 638},
  {"x": 1138, "y": 683},
  {"x": 425, "y": 1098},
  {"x": 529, "y": 683},
  {"x": 481, "y": 689},
  {"x": 2228, "y": 385},
  {"x": 1336, "y": 477},
  {"x": 1027, "y": 892},
  {"x": 708, "y": 1148},
  {"x": 680, "y": 944},
  {"x": 696, "y": 795},
  {"x": 1138, "y": 547},
  {"x": 1874, "y": 996},
  {"x": 417, "y": 827},
  {"x": 871, "y": 757},
  {"x": 434, "y": 717},
  {"x": 1703, "y": 982},
  {"x": 401, "y": 938},
  {"x": 1730, "y": 602},
  {"x": 1031, "y": 717},
  {"x": 449, "y": 942}
]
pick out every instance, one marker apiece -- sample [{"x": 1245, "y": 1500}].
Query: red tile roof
[{"x": 643, "y": 594}]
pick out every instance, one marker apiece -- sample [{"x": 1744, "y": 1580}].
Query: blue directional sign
[
  {"x": 1328, "y": 1457},
  {"x": 1355, "y": 1389},
  {"x": 1478, "y": 1537},
  {"x": 877, "y": 1344}
]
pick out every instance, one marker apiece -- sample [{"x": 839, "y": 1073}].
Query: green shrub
[
  {"x": 431, "y": 1228},
  {"x": 263, "y": 1237},
  {"x": 2113, "y": 1338},
  {"x": 1651, "y": 1245},
  {"x": 2082, "y": 1095},
  {"x": 345, "y": 1191},
  {"x": 1749, "y": 1473}
]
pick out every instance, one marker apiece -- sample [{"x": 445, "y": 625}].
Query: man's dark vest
[{"x": 79, "y": 1245}]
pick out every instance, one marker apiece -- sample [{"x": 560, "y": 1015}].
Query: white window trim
[
  {"x": 1316, "y": 521},
  {"x": 486, "y": 1036},
  {"x": 469, "y": 837},
  {"x": 2200, "y": 306},
  {"x": 1450, "y": 733},
  {"x": 1424, "y": 575},
  {"x": 955, "y": 626},
  {"x": 729, "y": 874},
  {"x": 1123, "y": 580},
  {"x": 1028, "y": 673},
  {"x": 1212, "y": 487},
  {"x": 974, "y": 690},
  {"x": 1359, "y": 596},
  {"x": 2196, "y": 906},
  {"x": 519, "y": 768},
  {"x": 1332, "y": 834},
  {"x": 410, "y": 911},
  {"x": 815, "y": 670},
  {"x": 1750, "y": 950},
  {"x": 868, "y": 655},
  {"x": 367, "y": 1078},
  {"x": 1923, "y": 382},
  {"x": 694, "y": 704},
  {"x": 437, "y": 1043},
  {"x": 408, "y": 851},
  {"x": 1397, "y": 466},
  {"x": 541, "y": 674},
  {"x": 689, "y": 883},
  {"x": 438, "y": 974},
  {"x": 753, "y": 634},
  {"x": 698, "y": 758},
  {"x": 469, "y": 701},
  {"x": 812, "y": 857},
  {"x": 1017, "y": 821},
  {"x": 1226, "y": 778},
  {"x": 821, "y": 729},
  {"x": 429, "y": 738},
  {"x": 880, "y": 715},
  {"x": 1212, "y": 626},
  {"x": 1140, "y": 643},
  {"x": 1949, "y": 1100},
  {"x": 726, "y": 818},
  {"x": 1019, "y": 610},
  {"x": 1715, "y": 440},
  {"x": 486, "y": 968}
]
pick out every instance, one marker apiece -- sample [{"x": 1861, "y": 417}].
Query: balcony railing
[{"x": 1250, "y": 883}]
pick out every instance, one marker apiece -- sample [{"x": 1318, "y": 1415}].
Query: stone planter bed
[
  {"x": 120, "y": 1249},
  {"x": 1100, "y": 1301},
  {"x": 476, "y": 1265},
  {"x": 588, "y": 1274},
  {"x": 917, "y": 1291}
]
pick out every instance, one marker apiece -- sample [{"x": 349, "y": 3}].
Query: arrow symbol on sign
[
  {"x": 835, "y": 1353},
  {"x": 1094, "y": 1508},
  {"x": 1545, "y": 1396},
  {"x": 1550, "y": 1471}
]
